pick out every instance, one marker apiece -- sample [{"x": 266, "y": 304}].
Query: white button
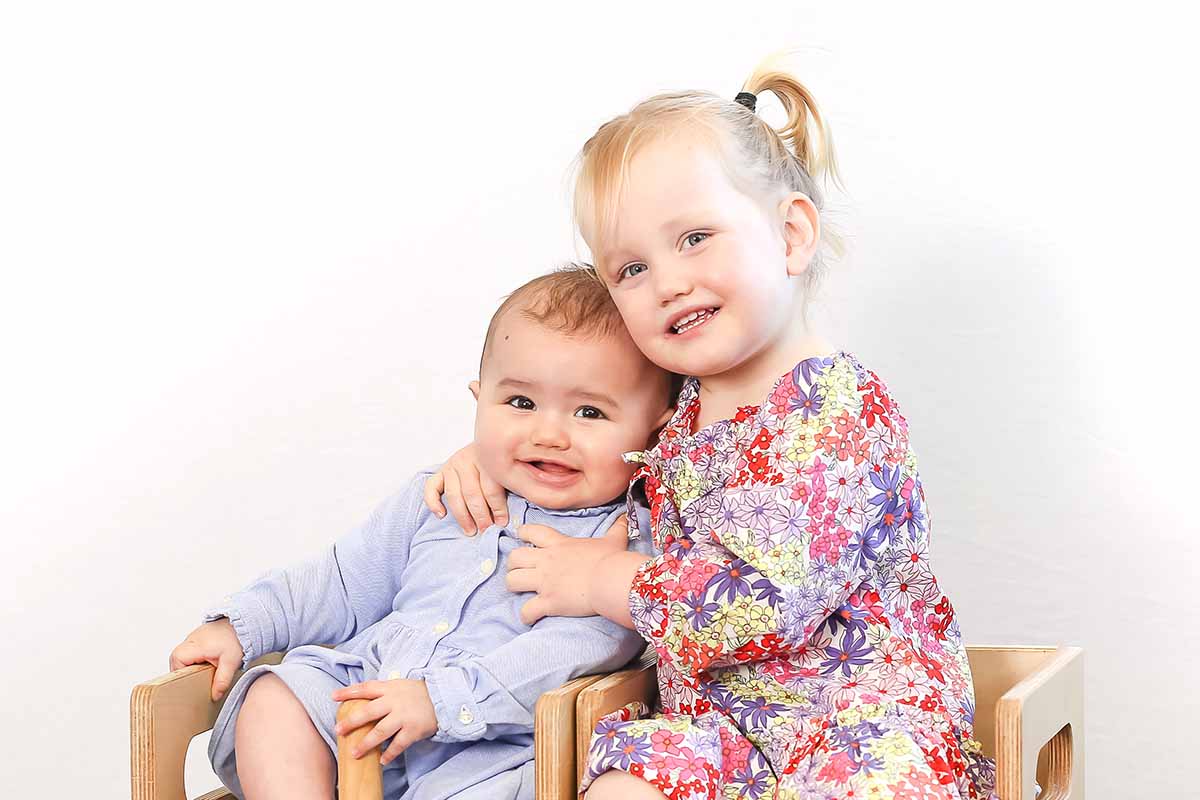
[
  {"x": 487, "y": 566},
  {"x": 394, "y": 676},
  {"x": 465, "y": 716},
  {"x": 441, "y": 627}
]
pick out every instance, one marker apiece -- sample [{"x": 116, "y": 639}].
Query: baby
[{"x": 419, "y": 616}]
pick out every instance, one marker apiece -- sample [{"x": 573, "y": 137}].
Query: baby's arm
[{"x": 329, "y": 599}]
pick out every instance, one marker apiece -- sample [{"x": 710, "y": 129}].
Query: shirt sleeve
[
  {"x": 329, "y": 599},
  {"x": 494, "y": 695},
  {"x": 788, "y": 557}
]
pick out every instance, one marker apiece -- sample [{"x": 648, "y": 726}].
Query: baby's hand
[
  {"x": 474, "y": 498},
  {"x": 403, "y": 709},
  {"x": 213, "y": 643},
  {"x": 559, "y": 568}
]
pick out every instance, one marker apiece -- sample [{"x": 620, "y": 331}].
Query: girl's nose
[{"x": 672, "y": 283}]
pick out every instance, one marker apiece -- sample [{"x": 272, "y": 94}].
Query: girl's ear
[
  {"x": 474, "y": 387},
  {"x": 801, "y": 231}
]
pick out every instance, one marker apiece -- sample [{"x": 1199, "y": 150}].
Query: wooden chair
[{"x": 1029, "y": 717}]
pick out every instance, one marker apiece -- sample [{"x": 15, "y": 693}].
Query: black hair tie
[{"x": 746, "y": 99}]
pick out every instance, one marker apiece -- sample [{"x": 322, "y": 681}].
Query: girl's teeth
[{"x": 692, "y": 320}]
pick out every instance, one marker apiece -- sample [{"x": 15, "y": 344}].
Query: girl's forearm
[{"x": 608, "y": 591}]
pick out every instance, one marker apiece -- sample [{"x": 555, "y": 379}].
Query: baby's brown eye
[
  {"x": 522, "y": 402},
  {"x": 589, "y": 412}
]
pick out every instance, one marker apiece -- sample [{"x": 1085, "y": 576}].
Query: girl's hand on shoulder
[
  {"x": 213, "y": 643},
  {"x": 475, "y": 500},
  {"x": 404, "y": 711},
  {"x": 559, "y": 569}
]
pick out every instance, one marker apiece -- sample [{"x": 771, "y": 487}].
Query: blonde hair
[{"x": 764, "y": 163}]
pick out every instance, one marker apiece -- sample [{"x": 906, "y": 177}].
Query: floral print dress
[{"x": 805, "y": 650}]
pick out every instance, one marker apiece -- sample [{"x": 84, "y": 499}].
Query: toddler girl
[{"x": 804, "y": 647}]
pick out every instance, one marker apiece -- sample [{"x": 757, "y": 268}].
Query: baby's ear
[{"x": 474, "y": 387}]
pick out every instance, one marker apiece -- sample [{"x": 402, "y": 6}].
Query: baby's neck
[{"x": 748, "y": 383}]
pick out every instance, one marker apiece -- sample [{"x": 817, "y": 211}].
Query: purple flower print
[
  {"x": 766, "y": 591},
  {"x": 854, "y": 651},
  {"x": 699, "y": 613},
  {"x": 788, "y": 519},
  {"x": 752, "y": 784},
  {"x": 809, "y": 369},
  {"x": 808, "y": 403},
  {"x": 754, "y": 713},
  {"x": 848, "y": 618},
  {"x": 754, "y": 510},
  {"x": 887, "y": 481},
  {"x": 913, "y": 516},
  {"x": 863, "y": 551},
  {"x": 731, "y": 582},
  {"x": 716, "y": 693},
  {"x": 624, "y": 749},
  {"x": 647, "y": 613}
]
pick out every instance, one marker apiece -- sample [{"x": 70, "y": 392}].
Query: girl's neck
[{"x": 748, "y": 383}]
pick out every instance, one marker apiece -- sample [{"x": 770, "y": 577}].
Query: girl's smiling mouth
[{"x": 691, "y": 320}]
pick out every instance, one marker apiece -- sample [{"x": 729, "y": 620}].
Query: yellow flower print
[{"x": 686, "y": 483}]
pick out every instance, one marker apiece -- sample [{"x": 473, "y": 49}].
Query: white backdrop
[{"x": 249, "y": 253}]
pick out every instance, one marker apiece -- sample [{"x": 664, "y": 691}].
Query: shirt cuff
[
  {"x": 458, "y": 716},
  {"x": 249, "y": 635}
]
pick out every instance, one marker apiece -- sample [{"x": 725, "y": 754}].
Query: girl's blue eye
[
  {"x": 633, "y": 269},
  {"x": 589, "y": 412},
  {"x": 693, "y": 239},
  {"x": 522, "y": 402}
]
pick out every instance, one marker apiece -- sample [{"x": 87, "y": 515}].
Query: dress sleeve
[
  {"x": 813, "y": 511},
  {"x": 328, "y": 599}
]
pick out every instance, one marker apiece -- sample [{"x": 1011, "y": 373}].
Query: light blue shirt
[{"x": 408, "y": 595}]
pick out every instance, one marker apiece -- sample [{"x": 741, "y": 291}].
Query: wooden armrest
[
  {"x": 1044, "y": 708},
  {"x": 166, "y": 713},
  {"x": 554, "y": 740},
  {"x": 358, "y": 778},
  {"x": 638, "y": 682}
]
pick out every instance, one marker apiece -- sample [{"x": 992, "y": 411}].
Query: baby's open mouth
[
  {"x": 694, "y": 320},
  {"x": 552, "y": 473},
  {"x": 552, "y": 468}
]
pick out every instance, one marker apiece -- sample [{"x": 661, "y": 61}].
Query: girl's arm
[
  {"x": 475, "y": 500},
  {"x": 612, "y": 579},
  {"x": 575, "y": 577}
]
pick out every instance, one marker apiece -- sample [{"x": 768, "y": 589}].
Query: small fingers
[
  {"x": 522, "y": 580},
  {"x": 433, "y": 494},
  {"x": 533, "y": 610},
  {"x": 539, "y": 535},
  {"x": 365, "y": 714},
  {"x": 472, "y": 488},
  {"x": 458, "y": 507},
  {"x": 366, "y": 689},
  {"x": 523, "y": 558},
  {"x": 227, "y": 666},
  {"x": 377, "y": 735},
  {"x": 496, "y": 496}
]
